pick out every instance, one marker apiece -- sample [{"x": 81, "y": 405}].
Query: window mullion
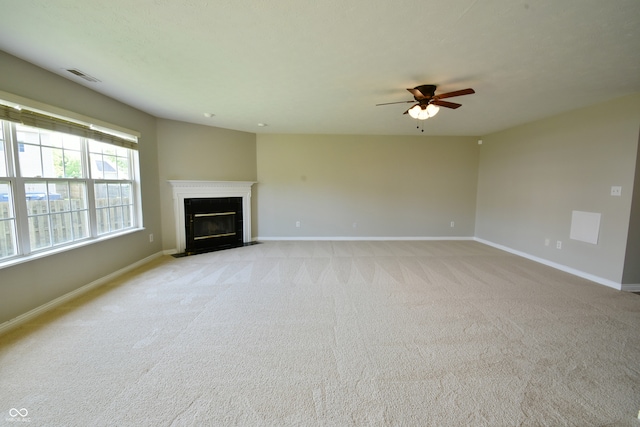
[
  {"x": 91, "y": 193},
  {"x": 134, "y": 176},
  {"x": 10, "y": 153},
  {"x": 17, "y": 188},
  {"x": 91, "y": 202},
  {"x": 22, "y": 218}
]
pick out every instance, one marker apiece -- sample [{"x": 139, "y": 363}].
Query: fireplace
[
  {"x": 212, "y": 224},
  {"x": 223, "y": 210}
]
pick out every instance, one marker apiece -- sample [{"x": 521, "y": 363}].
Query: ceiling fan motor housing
[{"x": 428, "y": 91}]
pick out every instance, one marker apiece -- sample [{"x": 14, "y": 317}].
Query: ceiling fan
[{"x": 428, "y": 103}]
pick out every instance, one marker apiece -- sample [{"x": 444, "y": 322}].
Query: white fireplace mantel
[{"x": 204, "y": 189}]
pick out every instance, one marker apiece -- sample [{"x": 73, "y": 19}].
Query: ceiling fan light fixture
[
  {"x": 423, "y": 114},
  {"x": 415, "y": 111},
  {"x": 432, "y": 110}
]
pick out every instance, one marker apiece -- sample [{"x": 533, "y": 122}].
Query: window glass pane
[
  {"x": 102, "y": 199},
  {"x": 78, "y": 203},
  {"x": 59, "y": 197},
  {"x": 62, "y": 231},
  {"x": 108, "y": 149},
  {"x": 115, "y": 218},
  {"x": 52, "y": 163},
  {"x": 96, "y": 160},
  {"x": 95, "y": 146},
  {"x": 27, "y": 135},
  {"x": 115, "y": 197},
  {"x": 127, "y": 215},
  {"x": 36, "y": 195},
  {"x": 123, "y": 168},
  {"x": 97, "y": 166},
  {"x": 7, "y": 238},
  {"x": 6, "y": 200},
  {"x": 7, "y": 222},
  {"x": 109, "y": 161},
  {"x": 30, "y": 161},
  {"x": 78, "y": 195},
  {"x": 80, "y": 221},
  {"x": 71, "y": 142},
  {"x": 104, "y": 167},
  {"x": 126, "y": 193},
  {"x": 110, "y": 167},
  {"x": 102, "y": 218},
  {"x": 72, "y": 164},
  {"x": 51, "y": 139},
  {"x": 39, "y": 232},
  {"x": 115, "y": 206}
]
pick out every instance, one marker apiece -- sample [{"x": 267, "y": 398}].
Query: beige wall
[
  {"x": 390, "y": 186},
  {"x": 533, "y": 176},
  {"x": 26, "y": 286},
  {"x": 203, "y": 153},
  {"x": 632, "y": 257}
]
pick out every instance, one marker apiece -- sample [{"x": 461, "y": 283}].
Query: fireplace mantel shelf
[
  {"x": 187, "y": 189},
  {"x": 210, "y": 184}
]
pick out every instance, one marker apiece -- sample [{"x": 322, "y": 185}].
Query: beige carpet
[{"x": 332, "y": 334}]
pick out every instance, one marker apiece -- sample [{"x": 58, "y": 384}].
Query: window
[{"x": 62, "y": 182}]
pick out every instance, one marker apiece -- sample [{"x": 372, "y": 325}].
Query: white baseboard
[
  {"x": 360, "y": 238},
  {"x": 566, "y": 269},
  {"x": 631, "y": 287},
  {"x": 23, "y": 318}
]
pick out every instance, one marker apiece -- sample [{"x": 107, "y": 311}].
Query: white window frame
[{"x": 88, "y": 129}]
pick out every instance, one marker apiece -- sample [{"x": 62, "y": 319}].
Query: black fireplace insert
[{"x": 213, "y": 224}]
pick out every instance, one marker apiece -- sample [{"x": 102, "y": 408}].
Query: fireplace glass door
[{"x": 213, "y": 223}]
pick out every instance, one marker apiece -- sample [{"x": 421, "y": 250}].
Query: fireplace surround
[{"x": 185, "y": 190}]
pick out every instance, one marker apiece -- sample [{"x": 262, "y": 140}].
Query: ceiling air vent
[{"x": 82, "y": 75}]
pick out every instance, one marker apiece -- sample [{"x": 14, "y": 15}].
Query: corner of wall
[{"x": 631, "y": 269}]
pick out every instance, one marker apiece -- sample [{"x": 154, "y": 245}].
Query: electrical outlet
[
  {"x": 355, "y": 225},
  {"x": 616, "y": 190},
  {"x": 546, "y": 242},
  {"x": 297, "y": 224},
  {"x": 559, "y": 244},
  {"x": 151, "y": 238},
  {"x": 453, "y": 224}
]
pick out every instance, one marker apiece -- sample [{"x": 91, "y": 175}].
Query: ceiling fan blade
[
  {"x": 407, "y": 112},
  {"x": 446, "y": 104},
  {"x": 455, "y": 93},
  {"x": 400, "y": 102},
  {"x": 417, "y": 94}
]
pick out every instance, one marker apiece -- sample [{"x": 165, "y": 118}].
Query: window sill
[{"x": 31, "y": 257}]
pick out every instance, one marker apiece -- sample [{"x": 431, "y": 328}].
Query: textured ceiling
[{"x": 320, "y": 67}]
